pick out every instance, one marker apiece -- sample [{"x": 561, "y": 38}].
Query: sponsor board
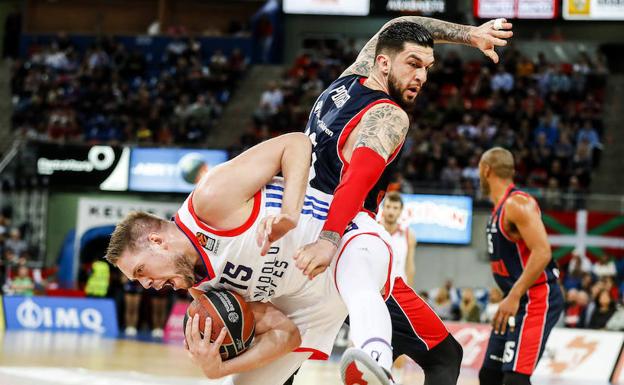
[
  {"x": 82, "y": 315},
  {"x": 474, "y": 339},
  {"x": 580, "y": 355},
  {"x": 174, "y": 329},
  {"x": 324, "y": 7},
  {"x": 171, "y": 169},
  {"x": 445, "y": 219},
  {"x": 103, "y": 167},
  {"x": 519, "y": 9},
  {"x": 593, "y": 9}
]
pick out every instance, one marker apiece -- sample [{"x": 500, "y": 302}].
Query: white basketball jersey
[
  {"x": 398, "y": 241},
  {"x": 233, "y": 261},
  {"x": 232, "y": 258}
]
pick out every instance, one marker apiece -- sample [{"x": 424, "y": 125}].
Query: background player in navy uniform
[
  {"x": 524, "y": 270},
  {"x": 357, "y": 127}
]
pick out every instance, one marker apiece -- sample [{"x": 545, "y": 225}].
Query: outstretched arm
[
  {"x": 484, "y": 37},
  {"x": 226, "y": 188}
]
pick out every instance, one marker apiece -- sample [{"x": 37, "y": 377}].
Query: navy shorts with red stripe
[
  {"x": 416, "y": 328},
  {"x": 520, "y": 350}
]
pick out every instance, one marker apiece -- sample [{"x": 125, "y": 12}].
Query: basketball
[{"x": 226, "y": 309}]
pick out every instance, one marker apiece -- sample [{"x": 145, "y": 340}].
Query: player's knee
[
  {"x": 513, "y": 378},
  {"x": 489, "y": 376}
]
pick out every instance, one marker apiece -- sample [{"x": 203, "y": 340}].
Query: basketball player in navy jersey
[
  {"x": 523, "y": 268},
  {"x": 357, "y": 127}
]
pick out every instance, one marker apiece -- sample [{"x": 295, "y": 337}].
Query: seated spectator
[
  {"x": 469, "y": 310},
  {"x": 576, "y": 303},
  {"x": 494, "y": 299},
  {"x": 22, "y": 284},
  {"x": 15, "y": 244},
  {"x": 605, "y": 308},
  {"x": 502, "y": 80},
  {"x": 616, "y": 322},
  {"x": 442, "y": 304},
  {"x": 604, "y": 267},
  {"x": 451, "y": 174}
]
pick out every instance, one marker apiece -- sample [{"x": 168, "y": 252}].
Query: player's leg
[
  {"x": 535, "y": 320},
  {"x": 491, "y": 372},
  {"x": 361, "y": 273},
  {"x": 420, "y": 334},
  {"x": 277, "y": 372}
]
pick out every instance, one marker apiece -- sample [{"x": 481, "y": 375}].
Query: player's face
[
  {"x": 391, "y": 212},
  {"x": 157, "y": 268},
  {"x": 483, "y": 182},
  {"x": 408, "y": 73}
]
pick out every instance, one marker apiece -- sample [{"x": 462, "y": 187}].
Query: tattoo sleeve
[
  {"x": 330, "y": 236},
  {"x": 383, "y": 129},
  {"x": 442, "y": 32}
]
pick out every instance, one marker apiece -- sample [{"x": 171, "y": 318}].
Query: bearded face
[{"x": 405, "y": 96}]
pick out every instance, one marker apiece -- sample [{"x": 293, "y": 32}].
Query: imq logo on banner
[{"x": 82, "y": 315}]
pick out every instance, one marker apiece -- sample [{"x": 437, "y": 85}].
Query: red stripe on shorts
[{"x": 532, "y": 332}]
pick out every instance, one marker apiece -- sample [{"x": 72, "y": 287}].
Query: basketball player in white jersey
[
  {"x": 402, "y": 241},
  {"x": 237, "y": 212}
]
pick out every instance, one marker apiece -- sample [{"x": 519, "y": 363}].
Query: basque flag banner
[{"x": 589, "y": 233}]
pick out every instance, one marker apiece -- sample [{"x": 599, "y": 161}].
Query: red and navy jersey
[
  {"x": 337, "y": 111},
  {"x": 508, "y": 258}
]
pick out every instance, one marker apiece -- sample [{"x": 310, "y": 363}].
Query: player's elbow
[{"x": 293, "y": 337}]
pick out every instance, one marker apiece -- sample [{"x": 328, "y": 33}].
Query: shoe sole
[{"x": 357, "y": 368}]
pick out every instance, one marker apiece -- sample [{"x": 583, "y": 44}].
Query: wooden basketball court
[{"x": 29, "y": 358}]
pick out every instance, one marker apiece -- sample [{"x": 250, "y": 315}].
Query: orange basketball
[{"x": 226, "y": 309}]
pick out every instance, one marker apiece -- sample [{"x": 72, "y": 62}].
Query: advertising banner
[
  {"x": 324, "y": 7},
  {"x": 174, "y": 329},
  {"x": 580, "y": 355},
  {"x": 474, "y": 339},
  {"x": 593, "y": 9},
  {"x": 407, "y": 7},
  {"x": 82, "y": 315},
  {"x": 171, "y": 169},
  {"x": 443, "y": 219},
  {"x": 97, "y": 213},
  {"x": 519, "y": 9},
  {"x": 103, "y": 167},
  {"x": 589, "y": 233}
]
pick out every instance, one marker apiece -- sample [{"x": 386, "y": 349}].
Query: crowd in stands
[
  {"x": 16, "y": 276},
  {"x": 548, "y": 114},
  {"x": 109, "y": 93},
  {"x": 593, "y": 292}
]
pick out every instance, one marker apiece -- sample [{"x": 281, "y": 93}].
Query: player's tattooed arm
[
  {"x": 330, "y": 236},
  {"x": 483, "y": 37},
  {"x": 382, "y": 129}
]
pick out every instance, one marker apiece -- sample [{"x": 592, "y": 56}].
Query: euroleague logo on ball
[{"x": 233, "y": 317}]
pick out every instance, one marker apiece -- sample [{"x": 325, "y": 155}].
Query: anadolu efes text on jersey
[
  {"x": 336, "y": 113},
  {"x": 232, "y": 258}
]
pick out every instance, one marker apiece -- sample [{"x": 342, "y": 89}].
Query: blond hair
[
  {"x": 128, "y": 232},
  {"x": 501, "y": 161}
]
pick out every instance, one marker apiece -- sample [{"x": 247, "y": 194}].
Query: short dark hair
[
  {"x": 394, "y": 196},
  {"x": 392, "y": 39}
]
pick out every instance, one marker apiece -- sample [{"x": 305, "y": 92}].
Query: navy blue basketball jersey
[
  {"x": 335, "y": 114},
  {"x": 508, "y": 258}
]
